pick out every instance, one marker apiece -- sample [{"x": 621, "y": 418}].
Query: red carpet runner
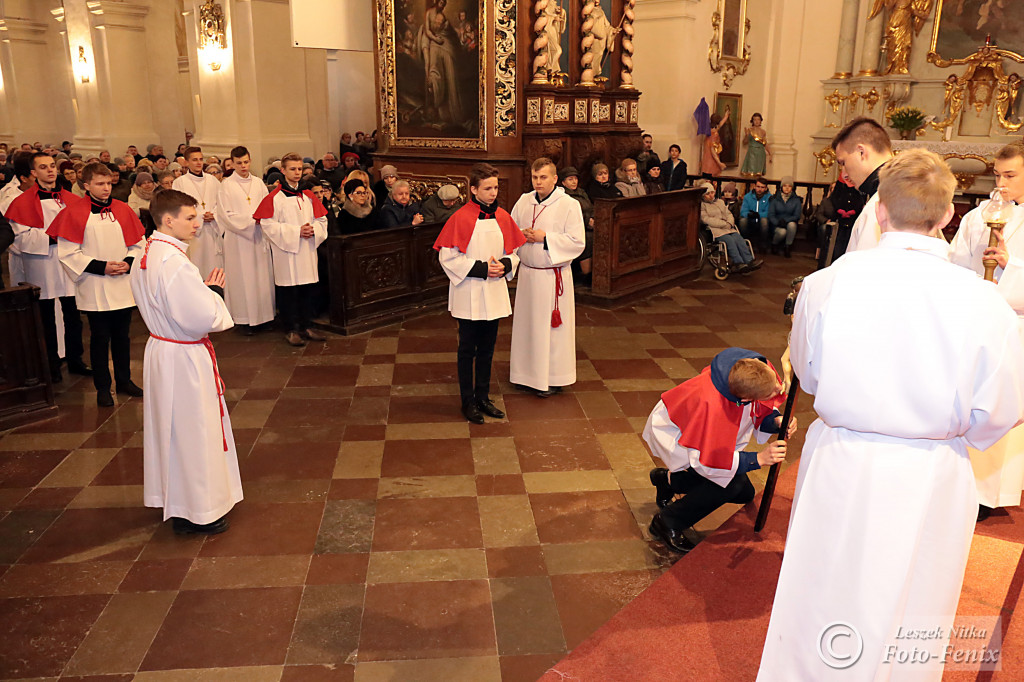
[{"x": 707, "y": 617}]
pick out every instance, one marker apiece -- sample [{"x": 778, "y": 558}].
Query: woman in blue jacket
[{"x": 783, "y": 215}]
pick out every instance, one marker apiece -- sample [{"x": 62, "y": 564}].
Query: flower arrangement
[{"x": 906, "y": 118}]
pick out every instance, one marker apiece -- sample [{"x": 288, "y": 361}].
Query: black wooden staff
[{"x": 773, "y": 473}]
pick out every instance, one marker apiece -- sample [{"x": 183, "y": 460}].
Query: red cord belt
[
  {"x": 216, "y": 375},
  {"x": 556, "y": 315}
]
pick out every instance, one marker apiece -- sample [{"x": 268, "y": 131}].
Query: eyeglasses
[{"x": 359, "y": 192}]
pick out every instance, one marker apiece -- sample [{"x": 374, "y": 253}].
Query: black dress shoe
[
  {"x": 76, "y": 366},
  {"x": 659, "y": 479},
  {"x": 55, "y": 376},
  {"x": 248, "y": 329},
  {"x": 104, "y": 399},
  {"x": 186, "y": 527},
  {"x": 984, "y": 512},
  {"x": 129, "y": 389},
  {"x": 786, "y": 251},
  {"x": 472, "y": 413},
  {"x": 489, "y": 408},
  {"x": 673, "y": 539}
]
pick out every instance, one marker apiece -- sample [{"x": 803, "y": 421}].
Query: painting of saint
[
  {"x": 963, "y": 25},
  {"x": 437, "y": 68}
]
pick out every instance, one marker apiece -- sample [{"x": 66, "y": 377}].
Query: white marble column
[
  {"x": 847, "y": 43},
  {"x": 871, "y": 48},
  {"x": 91, "y": 114},
  {"x": 30, "y": 83},
  {"x": 781, "y": 88}
]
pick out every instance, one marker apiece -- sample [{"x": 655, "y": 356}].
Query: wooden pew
[
  {"x": 643, "y": 245},
  {"x": 26, "y": 394}
]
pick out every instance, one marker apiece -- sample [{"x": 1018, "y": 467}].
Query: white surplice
[
  {"x": 39, "y": 259},
  {"x": 103, "y": 240},
  {"x": 295, "y": 258},
  {"x": 999, "y": 470},
  {"x": 544, "y": 356},
  {"x": 9, "y": 193},
  {"x": 206, "y": 249},
  {"x": 187, "y": 471},
  {"x": 248, "y": 270},
  {"x": 472, "y": 298},
  {"x": 910, "y": 359}
]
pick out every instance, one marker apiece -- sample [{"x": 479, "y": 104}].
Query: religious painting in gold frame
[
  {"x": 728, "y": 134},
  {"x": 962, "y": 27},
  {"x": 431, "y": 60},
  {"x": 729, "y": 52}
]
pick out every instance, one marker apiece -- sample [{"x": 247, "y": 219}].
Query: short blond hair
[
  {"x": 542, "y": 163},
  {"x": 917, "y": 188},
  {"x": 290, "y": 157},
  {"x": 751, "y": 379}
]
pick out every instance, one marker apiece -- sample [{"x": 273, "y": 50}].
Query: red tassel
[{"x": 556, "y": 318}]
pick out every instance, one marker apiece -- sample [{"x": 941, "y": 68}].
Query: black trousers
[
  {"x": 73, "y": 347},
  {"x": 476, "y": 344},
  {"x": 296, "y": 304},
  {"x": 110, "y": 329},
  {"x": 701, "y": 497}
]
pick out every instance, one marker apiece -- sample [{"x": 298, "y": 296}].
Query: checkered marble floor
[{"x": 382, "y": 537}]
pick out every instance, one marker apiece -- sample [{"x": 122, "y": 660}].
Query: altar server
[
  {"x": 207, "y": 249},
  {"x": 190, "y": 465},
  {"x": 862, "y": 147},
  {"x": 999, "y": 471},
  {"x": 97, "y": 241},
  {"x": 248, "y": 269},
  {"x": 910, "y": 359},
  {"x": 544, "y": 323},
  {"x": 295, "y": 222},
  {"x": 477, "y": 249},
  {"x": 30, "y": 215},
  {"x": 21, "y": 181}
]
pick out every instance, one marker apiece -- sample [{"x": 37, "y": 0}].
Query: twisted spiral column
[
  {"x": 626, "y": 70},
  {"x": 587, "y": 58},
  {"x": 540, "y": 42}
]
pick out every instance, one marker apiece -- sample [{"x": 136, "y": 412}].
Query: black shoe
[
  {"x": 755, "y": 264},
  {"x": 129, "y": 389},
  {"x": 490, "y": 409},
  {"x": 673, "y": 539},
  {"x": 785, "y": 251},
  {"x": 186, "y": 527},
  {"x": 247, "y": 329},
  {"x": 984, "y": 512},
  {"x": 55, "y": 376},
  {"x": 104, "y": 399},
  {"x": 312, "y": 335},
  {"x": 664, "y": 495},
  {"x": 472, "y": 413},
  {"x": 76, "y": 366},
  {"x": 530, "y": 389}
]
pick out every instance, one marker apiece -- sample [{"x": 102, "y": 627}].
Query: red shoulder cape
[
  {"x": 457, "y": 232},
  {"x": 708, "y": 421},
  {"x": 70, "y": 223},
  {"x": 266, "y": 208},
  {"x": 27, "y": 208}
]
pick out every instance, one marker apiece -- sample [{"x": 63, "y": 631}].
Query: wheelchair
[{"x": 717, "y": 255}]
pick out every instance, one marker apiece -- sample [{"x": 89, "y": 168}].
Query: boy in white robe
[
  {"x": 190, "y": 465},
  {"x": 885, "y": 501},
  {"x": 477, "y": 250},
  {"x": 543, "y": 356},
  {"x": 31, "y": 214},
  {"x": 97, "y": 241},
  {"x": 999, "y": 470},
  {"x": 248, "y": 270},
  {"x": 862, "y": 147},
  {"x": 21, "y": 182},
  {"x": 295, "y": 222},
  {"x": 207, "y": 249}
]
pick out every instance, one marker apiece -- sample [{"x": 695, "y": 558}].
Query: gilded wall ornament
[
  {"x": 620, "y": 112},
  {"x": 505, "y": 68},
  {"x": 626, "y": 70},
  {"x": 587, "y": 56},
  {"x": 581, "y": 111},
  {"x": 728, "y": 52},
  {"x": 533, "y": 109},
  {"x": 905, "y": 20}
]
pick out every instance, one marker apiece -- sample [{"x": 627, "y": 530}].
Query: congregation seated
[
  {"x": 719, "y": 219},
  {"x": 331, "y": 171},
  {"x": 439, "y": 207},
  {"x": 754, "y": 214},
  {"x": 600, "y": 187},
  {"x": 784, "y": 211},
  {"x": 730, "y": 197},
  {"x": 652, "y": 180},
  {"x": 673, "y": 169},
  {"x": 164, "y": 179},
  {"x": 120, "y": 186},
  {"x": 399, "y": 209},
  {"x": 142, "y": 192},
  {"x": 357, "y": 213},
  {"x": 570, "y": 178},
  {"x": 382, "y": 188},
  {"x": 346, "y": 145},
  {"x": 629, "y": 183}
]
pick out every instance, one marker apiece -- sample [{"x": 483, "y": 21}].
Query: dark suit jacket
[{"x": 673, "y": 179}]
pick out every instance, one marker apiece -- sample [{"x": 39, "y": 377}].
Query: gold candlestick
[{"x": 995, "y": 231}]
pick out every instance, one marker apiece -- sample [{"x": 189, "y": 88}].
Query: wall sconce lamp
[
  {"x": 83, "y": 65},
  {"x": 212, "y": 40}
]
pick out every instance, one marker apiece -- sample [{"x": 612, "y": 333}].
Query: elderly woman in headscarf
[
  {"x": 138, "y": 200},
  {"x": 720, "y": 221}
]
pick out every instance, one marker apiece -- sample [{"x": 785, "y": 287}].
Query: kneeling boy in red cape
[{"x": 699, "y": 429}]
